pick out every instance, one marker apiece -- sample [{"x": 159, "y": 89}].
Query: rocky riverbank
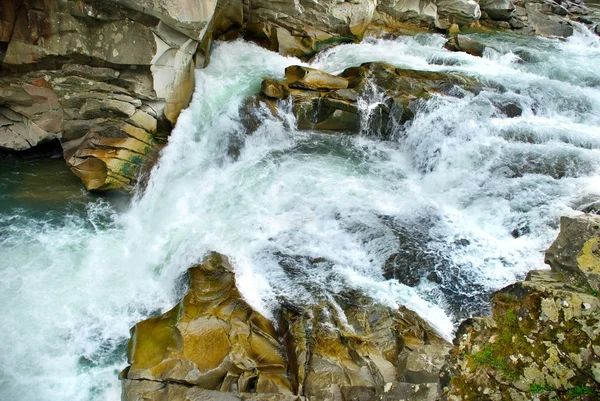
[
  {"x": 542, "y": 342},
  {"x": 109, "y": 79}
]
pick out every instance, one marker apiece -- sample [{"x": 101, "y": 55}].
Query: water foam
[{"x": 463, "y": 192}]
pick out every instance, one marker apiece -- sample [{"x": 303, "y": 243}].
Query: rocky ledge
[
  {"x": 213, "y": 345},
  {"x": 541, "y": 342},
  {"x": 543, "y": 339},
  {"x": 106, "y": 79},
  {"x": 330, "y": 103}
]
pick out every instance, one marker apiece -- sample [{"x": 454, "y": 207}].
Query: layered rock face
[
  {"x": 303, "y": 27},
  {"x": 107, "y": 79},
  {"x": 213, "y": 346},
  {"x": 543, "y": 340},
  {"x": 321, "y": 101}
]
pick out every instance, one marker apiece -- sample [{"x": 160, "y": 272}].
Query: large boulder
[
  {"x": 542, "y": 340},
  {"x": 463, "y": 43},
  {"x": 398, "y": 15},
  {"x": 499, "y": 10},
  {"x": 459, "y": 12},
  {"x": 304, "y": 27},
  {"x": 575, "y": 255},
  {"x": 212, "y": 340}
]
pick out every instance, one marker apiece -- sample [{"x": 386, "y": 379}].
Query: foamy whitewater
[{"x": 450, "y": 193}]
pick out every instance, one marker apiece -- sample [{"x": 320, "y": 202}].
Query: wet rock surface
[
  {"x": 107, "y": 79},
  {"x": 213, "y": 345},
  {"x": 542, "y": 340},
  {"x": 325, "y": 102}
]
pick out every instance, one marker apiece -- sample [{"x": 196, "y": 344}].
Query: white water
[{"x": 457, "y": 181}]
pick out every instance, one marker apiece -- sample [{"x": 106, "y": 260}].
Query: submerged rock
[{"x": 543, "y": 337}]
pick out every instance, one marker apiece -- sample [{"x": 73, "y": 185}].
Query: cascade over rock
[
  {"x": 543, "y": 338},
  {"x": 213, "y": 345},
  {"x": 147, "y": 52},
  {"x": 325, "y": 102}
]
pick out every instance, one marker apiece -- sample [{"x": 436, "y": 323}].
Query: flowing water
[{"x": 465, "y": 197}]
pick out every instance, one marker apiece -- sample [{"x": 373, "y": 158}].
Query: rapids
[{"x": 463, "y": 191}]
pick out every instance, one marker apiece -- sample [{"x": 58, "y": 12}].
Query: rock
[
  {"x": 499, "y": 10},
  {"x": 397, "y": 15},
  {"x": 141, "y": 390},
  {"x": 460, "y": 12},
  {"x": 576, "y": 252},
  {"x": 213, "y": 345},
  {"x": 546, "y": 22},
  {"x": 593, "y": 208},
  {"x": 299, "y": 77},
  {"x": 212, "y": 339},
  {"x": 127, "y": 64},
  {"x": 276, "y": 90},
  {"x": 325, "y": 102},
  {"x": 541, "y": 340},
  {"x": 357, "y": 348},
  {"x": 303, "y": 28},
  {"x": 463, "y": 43},
  {"x": 510, "y": 109}
]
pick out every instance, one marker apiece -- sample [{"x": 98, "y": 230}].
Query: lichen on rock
[{"x": 543, "y": 338}]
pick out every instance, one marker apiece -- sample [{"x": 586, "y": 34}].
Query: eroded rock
[
  {"x": 108, "y": 79},
  {"x": 543, "y": 338},
  {"x": 213, "y": 345},
  {"x": 321, "y": 101},
  {"x": 212, "y": 339}
]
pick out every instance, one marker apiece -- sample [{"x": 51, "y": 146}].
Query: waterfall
[{"x": 464, "y": 192}]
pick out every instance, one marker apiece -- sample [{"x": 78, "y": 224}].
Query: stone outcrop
[
  {"x": 541, "y": 17},
  {"x": 213, "y": 345},
  {"x": 304, "y": 27},
  {"x": 463, "y": 43},
  {"x": 321, "y": 101},
  {"x": 107, "y": 79},
  {"x": 212, "y": 339},
  {"x": 543, "y": 339}
]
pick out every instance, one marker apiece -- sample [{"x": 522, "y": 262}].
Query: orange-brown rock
[{"x": 212, "y": 339}]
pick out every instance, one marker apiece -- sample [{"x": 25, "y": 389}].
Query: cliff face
[{"x": 107, "y": 79}]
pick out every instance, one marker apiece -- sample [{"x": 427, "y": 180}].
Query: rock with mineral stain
[{"x": 212, "y": 340}]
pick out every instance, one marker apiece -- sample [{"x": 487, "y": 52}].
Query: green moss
[
  {"x": 581, "y": 391},
  {"x": 491, "y": 356},
  {"x": 539, "y": 388}
]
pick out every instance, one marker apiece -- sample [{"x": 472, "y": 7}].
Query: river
[{"x": 465, "y": 193}]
